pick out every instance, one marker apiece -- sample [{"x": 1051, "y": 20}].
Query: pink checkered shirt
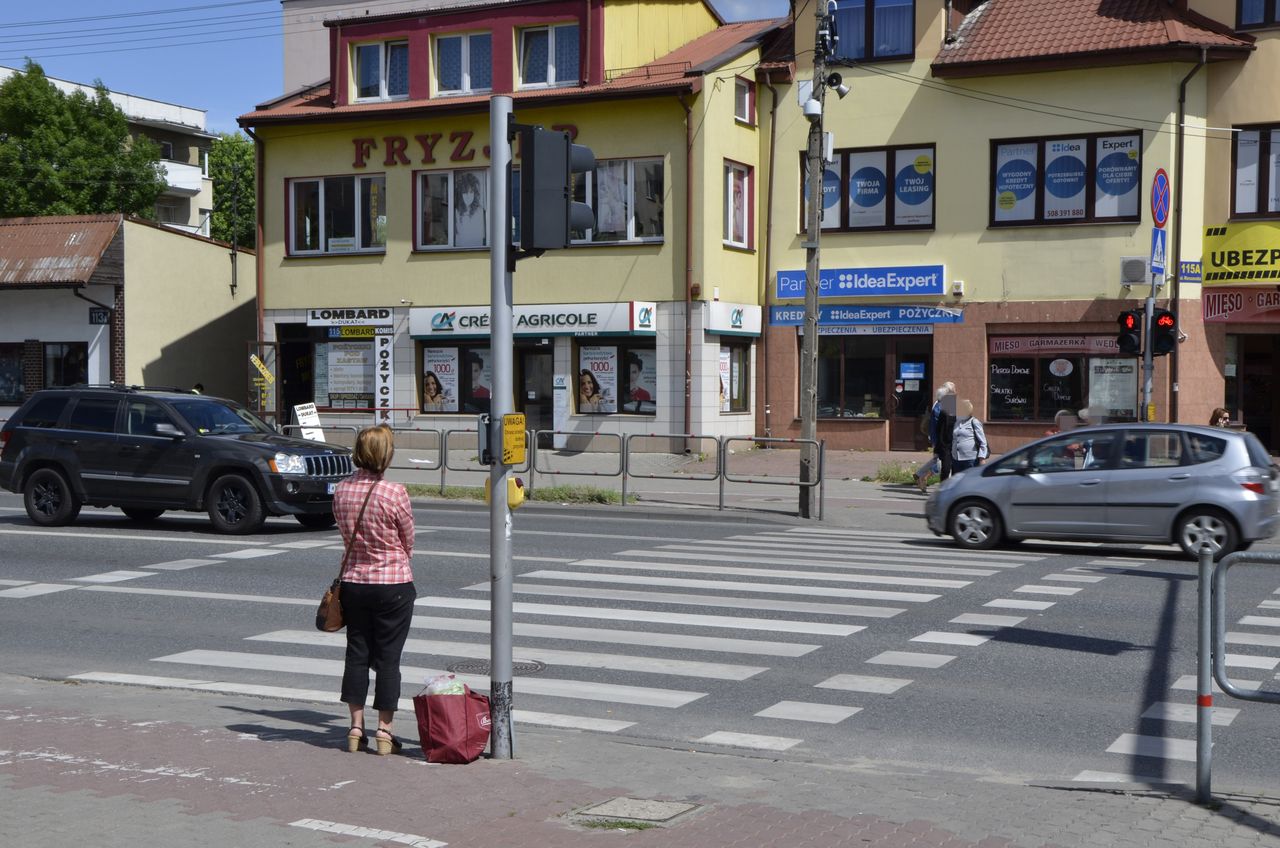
[{"x": 383, "y": 548}]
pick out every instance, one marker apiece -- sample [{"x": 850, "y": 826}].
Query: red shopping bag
[{"x": 452, "y": 728}]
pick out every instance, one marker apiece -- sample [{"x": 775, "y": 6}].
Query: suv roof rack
[{"x": 126, "y": 387}]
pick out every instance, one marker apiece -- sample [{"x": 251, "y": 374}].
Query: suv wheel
[
  {"x": 137, "y": 514},
  {"x": 975, "y": 524},
  {"x": 316, "y": 521},
  {"x": 1202, "y": 524},
  {"x": 234, "y": 505},
  {"x": 49, "y": 499}
]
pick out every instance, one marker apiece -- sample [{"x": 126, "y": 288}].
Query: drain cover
[
  {"x": 482, "y": 667},
  {"x": 638, "y": 809}
]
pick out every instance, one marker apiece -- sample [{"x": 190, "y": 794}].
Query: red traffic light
[
  {"x": 1129, "y": 320},
  {"x": 1164, "y": 332},
  {"x": 1129, "y": 339},
  {"x": 1166, "y": 321}
]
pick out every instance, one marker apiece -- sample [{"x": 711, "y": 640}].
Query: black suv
[{"x": 148, "y": 450}]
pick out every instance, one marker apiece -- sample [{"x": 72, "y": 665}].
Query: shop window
[
  {"x": 464, "y": 63},
  {"x": 1082, "y": 179},
  {"x": 1255, "y": 157},
  {"x": 737, "y": 205},
  {"x": 617, "y": 378},
  {"x": 735, "y": 377},
  {"x": 338, "y": 215},
  {"x": 1256, "y": 14},
  {"x": 66, "y": 364},
  {"x": 627, "y": 198},
  {"x": 851, "y": 377},
  {"x": 453, "y": 209},
  {"x": 744, "y": 101},
  {"x": 456, "y": 378},
  {"x": 12, "y": 390},
  {"x": 382, "y": 71},
  {"x": 1036, "y": 388},
  {"x": 875, "y": 188},
  {"x": 549, "y": 56},
  {"x": 342, "y": 374},
  {"x": 875, "y": 29}
]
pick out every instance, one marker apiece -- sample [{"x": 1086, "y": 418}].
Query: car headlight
[{"x": 287, "y": 463}]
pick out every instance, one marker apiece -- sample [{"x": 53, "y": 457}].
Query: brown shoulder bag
[{"x": 329, "y": 613}]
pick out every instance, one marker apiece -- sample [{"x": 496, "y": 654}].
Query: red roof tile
[
  {"x": 1003, "y": 36},
  {"x": 679, "y": 70},
  {"x": 54, "y": 250}
]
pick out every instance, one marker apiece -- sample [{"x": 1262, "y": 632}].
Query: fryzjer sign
[
  {"x": 889, "y": 281},
  {"x": 554, "y": 319},
  {"x": 835, "y": 316}
]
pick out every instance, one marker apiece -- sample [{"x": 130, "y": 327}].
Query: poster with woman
[
  {"x": 726, "y": 377},
  {"x": 642, "y": 379},
  {"x": 469, "y": 226},
  {"x": 440, "y": 379},
  {"x": 597, "y": 379}
]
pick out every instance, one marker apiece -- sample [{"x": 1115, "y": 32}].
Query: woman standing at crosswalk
[{"x": 376, "y": 520}]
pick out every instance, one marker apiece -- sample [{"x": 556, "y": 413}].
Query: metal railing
[
  {"x": 687, "y": 444},
  {"x": 820, "y": 482}
]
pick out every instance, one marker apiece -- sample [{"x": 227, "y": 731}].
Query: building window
[
  {"x": 1255, "y": 156},
  {"x": 1036, "y": 387},
  {"x": 627, "y": 198},
  {"x": 1254, "y": 14},
  {"x": 874, "y": 376},
  {"x": 617, "y": 378},
  {"x": 549, "y": 56},
  {"x": 166, "y": 150},
  {"x": 170, "y": 212},
  {"x": 1066, "y": 180},
  {"x": 737, "y": 205},
  {"x": 203, "y": 153},
  {"x": 735, "y": 377},
  {"x": 66, "y": 364},
  {"x": 464, "y": 63},
  {"x": 205, "y": 216},
  {"x": 875, "y": 188},
  {"x": 12, "y": 390},
  {"x": 875, "y": 29},
  {"x": 456, "y": 379},
  {"x": 453, "y": 209},
  {"x": 744, "y": 101},
  {"x": 338, "y": 215},
  {"x": 382, "y": 70}
]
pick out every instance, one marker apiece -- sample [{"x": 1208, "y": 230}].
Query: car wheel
[
  {"x": 975, "y": 524},
  {"x": 137, "y": 514},
  {"x": 314, "y": 521},
  {"x": 1204, "y": 525},
  {"x": 49, "y": 499},
  {"x": 234, "y": 506}
]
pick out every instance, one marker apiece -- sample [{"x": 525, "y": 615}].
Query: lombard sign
[
  {"x": 843, "y": 316},
  {"x": 889, "y": 281},
  {"x": 352, "y": 317},
  {"x": 733, "y": 319},
  {"x": 558, "y": 319}
]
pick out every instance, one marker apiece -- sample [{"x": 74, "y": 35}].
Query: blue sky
[{"x": 223, "y": 56}]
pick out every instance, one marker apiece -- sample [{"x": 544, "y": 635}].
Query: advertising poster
[
  {"x": 351, "y": 375},
  {"x": 868, "y": 189},
  {"x": 1117, "y": 179},
  {"x": 1113, "y": 388},
  {"x": 831, "y": 196},
  {"x": 470, "y": 194},
  {"x": 1273, "y": 195},
  {"x": 440, "y": 379},
  {"x": 913, "y": 188},
  {"x": 320, "y": 375},
  {"x": 726, "y": 377},
  {"x": 478, "y": 364},
  {"x": 642, "y": 382},
  {"x": 597, "y": 379},
  {"x": 1247, "y": 171},
  {"x": 1015, "y": 189},
  {"x": 1064, "y": 179}
]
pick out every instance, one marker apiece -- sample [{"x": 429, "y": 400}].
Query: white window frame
[
  {"x": 732, "y": 170},
  {"x": 466, "y": 63},
  {"x": 744, "y": 96},
  {"x": 584, "y": 192},
  {"x": 384, "y": 60},
  {"x": 551, "y": 31},
  {"x": 324, "y": 239}
]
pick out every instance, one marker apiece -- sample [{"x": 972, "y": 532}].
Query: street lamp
[{"x": 824, "y": 45}]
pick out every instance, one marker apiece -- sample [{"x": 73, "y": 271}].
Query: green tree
[
  {"x": 231, "y": 167},
  {"x": 69, "y": 154}
]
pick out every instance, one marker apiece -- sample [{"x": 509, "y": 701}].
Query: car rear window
[
  {"x": 94, "y": 414},
  {"x": 45, "y": 412},
  {"x": 1206, "y": 448}
]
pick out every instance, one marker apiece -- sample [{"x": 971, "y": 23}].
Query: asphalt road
[{"x": 868, "y": 644}]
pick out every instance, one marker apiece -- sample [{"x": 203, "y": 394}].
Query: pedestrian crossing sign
[{"x": 1158, "y": 243}]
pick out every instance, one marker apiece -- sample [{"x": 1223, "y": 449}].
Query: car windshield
[{"x": 210, "y": 417}]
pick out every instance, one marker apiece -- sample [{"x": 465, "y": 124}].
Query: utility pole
[{"x": 235, "y": 221}]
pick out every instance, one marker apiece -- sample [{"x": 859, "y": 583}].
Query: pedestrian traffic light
[
  {"x": 1130, "y": 337},
  {"x": 1164, "y": 332},
  {"x": 548, "y": 212}
]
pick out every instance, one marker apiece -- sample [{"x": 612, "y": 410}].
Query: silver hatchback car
[{"x": 1152, "y": 483}]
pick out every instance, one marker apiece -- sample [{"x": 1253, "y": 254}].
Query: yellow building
[{"x": 374, "y": 268}]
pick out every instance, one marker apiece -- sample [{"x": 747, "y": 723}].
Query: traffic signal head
[
  {"x": 548, "y": 212},
  {"x": 1130, "y": 337},
  {"x": 1164, "y": 332}
]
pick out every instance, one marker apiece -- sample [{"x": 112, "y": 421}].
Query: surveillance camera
[{"x": 812, "y": 110}]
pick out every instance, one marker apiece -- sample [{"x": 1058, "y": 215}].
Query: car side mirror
[{"x": 166, "y": 429}]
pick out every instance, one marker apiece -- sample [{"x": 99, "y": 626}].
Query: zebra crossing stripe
[
  {"x": 735, "y": 586},
  {"x": 583, "y": 690},
  {"x": 113, "y": 576},
  {"x": 910, "y": 659},
  {"x": 823, "y": 532},
  {"x": 1032, "y": 589},
  {"x": 1260, "y": 621},
  {"x": 181, "y": 564},
  {"x": 688, "y": 568},
  {"x": 1115, "y": 777},
  {"x": 1188, "y": 683},
  {"x": 580, "y": 659},
  {"x": 30, "y": 590},
  {"x": 864, "y": 683},
  {"x": 802, "y": 711},
  {"x": 989, "y": 620},
  {"x": 749, "y": 740},
  {"x": 1265, "y": 640},
  {"x": 248, "y": 553},
  {"x": 865, "y": 561},
  {"x": 1245, "y": 661},
  {"x": 1018, "y": 603},
  {"x": 993, "y": 559},
  {"x": 1158, "y": 747},
  {"x": 939, "y": 637},
  {"x": 352, "y": 830},
  {"x": 1073, "y": 578},
  {"x": 1186, "y": 713}
]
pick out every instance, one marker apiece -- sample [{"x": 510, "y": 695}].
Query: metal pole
[
  {"x": 813, "y": 229},
  {"x": 501, "y": 345},
  {"x": 1204, "y": 680},
  {"x": 1148, "y": 366},
  {"x": 722, "y": 465},
  {"x": 822, "y": 479}
]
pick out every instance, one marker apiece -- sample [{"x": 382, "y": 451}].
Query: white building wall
[{"x": 58, "y": 316}]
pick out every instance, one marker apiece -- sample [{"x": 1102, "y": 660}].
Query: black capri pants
[{"x": 378, "y": 618}]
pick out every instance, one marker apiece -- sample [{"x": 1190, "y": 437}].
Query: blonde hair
[
  {"x": 965, "y": 408},
  {"x": 374, "y": 448}
]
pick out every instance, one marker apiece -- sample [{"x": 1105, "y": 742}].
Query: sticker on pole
[{"x": 515, "y": 444}]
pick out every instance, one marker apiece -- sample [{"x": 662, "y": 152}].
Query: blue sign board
[
  {"x": 911, "y": 371},
  {"x": 1158, "y": 243},
  {"x": 892, "y": 281},
  {"x": 1189, "y": 271},
  {"x": 837, "y": 316}
]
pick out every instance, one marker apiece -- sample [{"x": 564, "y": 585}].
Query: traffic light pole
[
  {"x": 1148, "y": 342},
  {"x": 501, "y": 344}
]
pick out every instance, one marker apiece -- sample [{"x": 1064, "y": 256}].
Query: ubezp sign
[
  {"x": 356, "y": 316},
  {"x": 1242, "y": 255},
  {"x": 570, "y": 319}
]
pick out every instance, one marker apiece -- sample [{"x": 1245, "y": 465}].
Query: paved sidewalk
[{"x": 110, "y": 766}]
